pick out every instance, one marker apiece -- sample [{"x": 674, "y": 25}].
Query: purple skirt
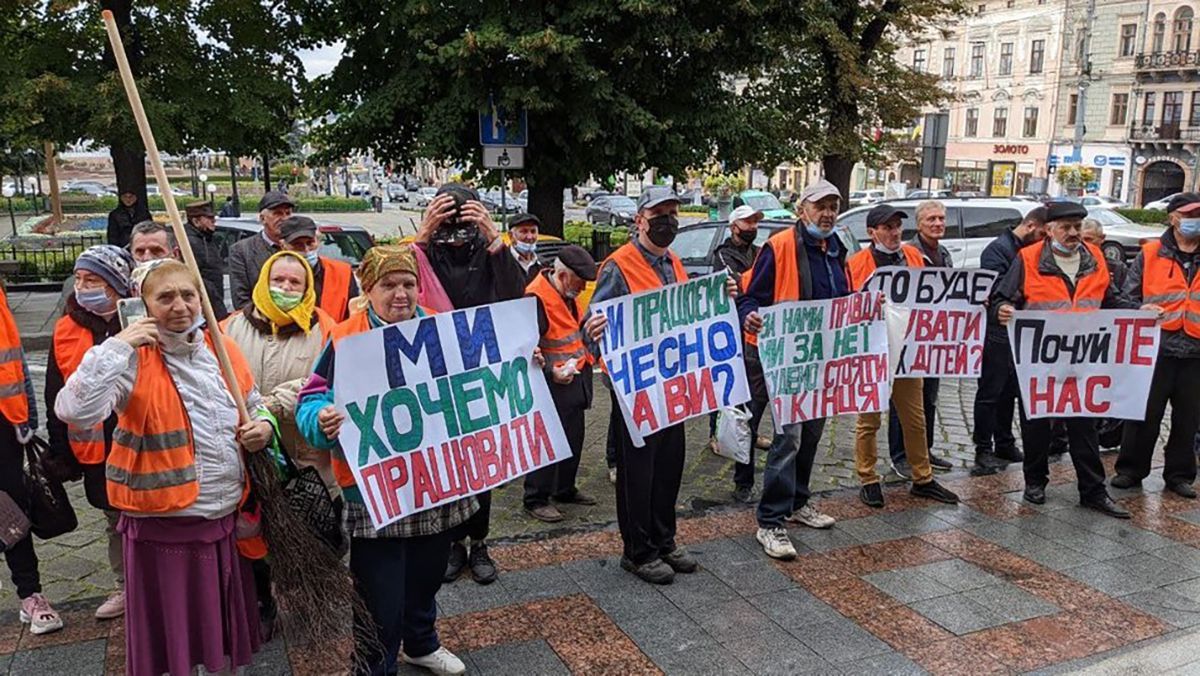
[{"x": 189, "y": 597}]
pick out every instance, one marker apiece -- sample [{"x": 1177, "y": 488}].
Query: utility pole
[{"x": 1085, "y": 73}]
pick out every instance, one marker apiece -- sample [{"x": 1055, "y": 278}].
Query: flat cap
[
  {"x": 579, "y": 261},
  {"x": 275, "y": 198},
  {"x": 656, "y": 195},
  {"x": 1057, "y": 211},
  {"x": 204, "y": 208},
  {"x": 882, "y": 213},
  {"x": 296, "y": 226},
  {"x": 524, "y": 219},
  {"x": 1182, "y": 200},
  {"x": 819, "y": 190}
]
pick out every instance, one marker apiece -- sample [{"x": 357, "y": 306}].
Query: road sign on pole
[
  {"x": 502, "y": 127},
  {"x": 503, "y": 157}
]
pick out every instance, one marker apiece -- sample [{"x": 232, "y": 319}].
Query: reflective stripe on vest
[
  {"x": 152, "y": 467},
  {"x": 335, "y": 288},
  {"x": 1165, "y": 284},
  {"x": 71, "y": 342},
  {"x": 1049, "y": 293},
  {"x": 862, "y": 264},
  {"x": 563, "y": 340},
  {"x": 14, "y": 403}
]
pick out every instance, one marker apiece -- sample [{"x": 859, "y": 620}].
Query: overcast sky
[{"x": 321, "y": 60}]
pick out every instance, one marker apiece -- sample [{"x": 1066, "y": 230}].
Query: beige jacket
[{"x": 281, "y": 365}]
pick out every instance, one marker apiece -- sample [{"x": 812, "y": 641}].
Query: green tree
[
  {"x": 213, "y": 74},
  {"x": 609, "y": 87},
  {"x": 839, "y": 81}
]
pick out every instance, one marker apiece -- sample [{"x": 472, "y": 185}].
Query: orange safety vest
[
  {"x": 71, "y": 342},
  {"x": 862, "y": 264},
  {"x": 563, "y": 340},
  {"x": 1049, "y": 292},
  {"x": 639, "y": 276},
  {"x": 787, "y": 276},
  {"x": 335, "y": 288},
  {"x": 1164, "y": 284},
  {"x": 152, "y": 467},
  {"x": 14, "y": 404}
]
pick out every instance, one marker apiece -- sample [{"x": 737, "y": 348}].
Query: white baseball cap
[{"x": 745, "y": 213}]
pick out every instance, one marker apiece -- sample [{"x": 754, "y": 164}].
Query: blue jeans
[{"x": 789, "y": 466}]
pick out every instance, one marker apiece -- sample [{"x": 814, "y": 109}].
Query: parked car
[
  {"x": 491, "y": 199},
  {"x": 424, "y": 196},
  {"x": 692, "y": 196},
  {"x": 971, "y": 224},
  {"x": 927, "y": 195},
  {"x": 764, "y": 202},
  {"x": 397, "y": 192},
  {"x": 94, "y": 188},
  {"x": 523, "y": 199},
  {"x": 341, "y": 242},
  {"x": 861, "y": 197},
  {"x": 696, "y": 242},
  {"x": 152, "y": 189},
  {"x": 360, "y": 189},
  {"x": 611, "y": 210},
  {"x": 1103, "y": 202},
  {"x": 1160, "y": 205},
  {"x": 1122, "y": 237}
]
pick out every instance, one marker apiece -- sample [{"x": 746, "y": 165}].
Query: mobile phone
[{"x": 129, "y": 310}]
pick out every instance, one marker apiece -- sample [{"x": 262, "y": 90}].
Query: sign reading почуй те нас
[
  {"x": 940, "y": 314},
  {"x": 443, "y": 407},
  {"x": 673, "y": 353},
  {"x": 1085, "y": 364},
  {"x": 824, "y": 358}
]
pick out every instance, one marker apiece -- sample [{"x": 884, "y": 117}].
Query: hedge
[
  {"x": 1144, "y": 215},
  {"x": 693, "y": 209},
  {"x": 93, "y": 205}
]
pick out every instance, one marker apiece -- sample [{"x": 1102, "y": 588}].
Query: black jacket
[
  {"x": 1010, "y": 289},
  {"x": 1176, "y": 344},
  {"x": 210, "y": 257},
  {"x": 121, "y": 221},
  {"x": 734, "y": 257},
  {"x": 998, "y": 257},
  {"x": 473, "y": 276},
  {"x": 942, "y": 252}
]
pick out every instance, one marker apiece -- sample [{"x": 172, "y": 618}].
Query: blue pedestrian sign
[{"x": 502, "y": 127}]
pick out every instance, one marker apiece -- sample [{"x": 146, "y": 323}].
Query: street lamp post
[{"x": 8, "y": 195}]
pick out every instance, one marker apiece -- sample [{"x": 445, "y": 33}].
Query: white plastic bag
[{"x": 733, "y": 434}]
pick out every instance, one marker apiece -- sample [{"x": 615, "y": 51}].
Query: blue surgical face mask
[
  {"x": 1063, "y": 249},
  {"x": 312, "y": 257},
  {"x": 1189, "y": 227},
  {"x": 526, "y": 248},
  {"x": 95, "y": 301},
  {"x": 816, "y": 231}
]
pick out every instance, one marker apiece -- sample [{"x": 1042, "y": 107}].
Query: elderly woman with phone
[{"x": 177, "y": 475}]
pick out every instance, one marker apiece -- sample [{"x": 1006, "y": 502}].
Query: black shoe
[
  {"x": 1105, "y": 505},
  {"x": 743, "y": 494},
  {"x": 986, "y": 463},
  {"x": 902, "y": 469},
  {"x": 1035, "y": 494},
  {"x": 1183, "y": 490},
  {"x": 458, "y": 561},
  {"x": 483, "y": 569},
  {"x": 871, "y": 495},
  {"x": 934, "y": 491},
  {"x": 1013, "y": 454},
  {"x": 577, "y": 497},
  {"x": 1124, "y": 481},
  {"x": 940, "y": 463},
  {"x": 680, "y": 561},
  {"x": 654, "y": 572}
]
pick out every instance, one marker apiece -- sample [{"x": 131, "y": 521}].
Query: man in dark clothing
[
  {"x": 931, "y": 228},
  {"x": 568, "y": 373},
  {"x": 995, "y": 445},
  {"x": 474, "y": 267},
  {"x": 523, "y": 229},
  {"x": 333, "y": 280},
  {"x": 1164, "y": 275},
  {"x": 247, "y": 256},
  {"x": 1061, "y": 271},
  {"x": 200, "y": 226},
  {"x": 736, "y": 254},
  {"x": 128, "y": 213}
]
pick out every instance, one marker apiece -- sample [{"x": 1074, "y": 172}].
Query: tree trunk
[
  {"x": 546, "y": 202},
  {"x": 266, "y": 173},
  {"x": 129, "y": 161},
  {"x": 837, "y": 171},
  {"x": 129, "y": 164},
  {"x": 52, "y": 179}
]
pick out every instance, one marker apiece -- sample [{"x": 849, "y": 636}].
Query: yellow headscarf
[{"x": 302, "y": 314}]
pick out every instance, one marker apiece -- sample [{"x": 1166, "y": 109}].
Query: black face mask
[
  {"x": 663, "y": 229},
  {"x": 747, "y": 236}
]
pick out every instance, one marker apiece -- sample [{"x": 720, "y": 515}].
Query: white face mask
[
  {"x": 886, "y": 250},
  {"x": 174, "y": 341}
]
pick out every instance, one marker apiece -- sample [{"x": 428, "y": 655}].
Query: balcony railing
[
  {"x": 1165, "y": 132},
  {"x": 1167, "y": 60}
]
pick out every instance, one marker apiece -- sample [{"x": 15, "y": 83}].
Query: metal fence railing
[{"x": 33, "y": 260}]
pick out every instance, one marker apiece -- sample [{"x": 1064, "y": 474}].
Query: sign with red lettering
[
  {"x": 936, "y": 317},
  {"x": 824, "y": 358},
  {"x": 1085, "y": 364},
  {"x": 673, "y": 353},
  {"x": 443, "y": 407},
  {"x": 1010, "y": 149}
]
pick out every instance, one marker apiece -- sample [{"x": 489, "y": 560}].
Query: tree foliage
[{"x": 609, "y": 86}]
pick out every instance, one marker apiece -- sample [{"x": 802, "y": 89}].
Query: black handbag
[
  {"x": 309, "y": 498},
  {"x": 50, "y": 510}
]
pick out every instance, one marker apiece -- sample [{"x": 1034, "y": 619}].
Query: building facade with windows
[{"x": 1001, "y": 65}]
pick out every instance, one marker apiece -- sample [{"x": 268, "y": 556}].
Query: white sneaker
[
  {"x": 441, "y": 662},
  {"x": 113, "y": 606},
  {"x": 612, "y": 475},
  {"x": 809, "y": 516},
  {"x": 40, "y": 615},
  {"x": 775, "y": 543}
]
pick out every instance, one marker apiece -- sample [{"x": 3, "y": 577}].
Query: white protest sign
[
  {"x": 673, "y": 353},
  {"x": 1084, "y": 364},
  {"x": 824, "y": 358},
  {"x": 943, "y": 327},
  {"x": 443, "y": 407}
]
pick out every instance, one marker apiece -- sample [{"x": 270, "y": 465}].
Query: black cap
[
  {"x": 579, "y": 261},
  {"x": 296, "y": 226},
  {"x": 460, "y": 192},
  {"x": 524, "y": 219},
  {"x": 274, "y": 199},
  {"x": 882, "y": 213},
  {"x": 194, "y": 209},
  {"x": 1057, "y": 211},
  {"x": 1182, "y": 200}
]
